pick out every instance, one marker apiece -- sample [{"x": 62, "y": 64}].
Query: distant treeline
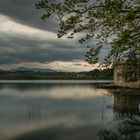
[{"x": 95, "y": 75}]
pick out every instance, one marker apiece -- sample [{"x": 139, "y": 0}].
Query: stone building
[{"x": 127, "y": 75}]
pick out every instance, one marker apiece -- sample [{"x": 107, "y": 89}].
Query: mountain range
[{"x": 23, "y": 69}]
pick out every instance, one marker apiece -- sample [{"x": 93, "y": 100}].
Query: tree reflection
[{"x": 127, "y": 118}]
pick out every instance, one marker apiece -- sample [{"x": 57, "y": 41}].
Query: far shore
[{"x": 59, "y": 81}]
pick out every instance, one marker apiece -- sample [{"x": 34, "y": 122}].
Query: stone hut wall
[{"x": 127, "y": 76}]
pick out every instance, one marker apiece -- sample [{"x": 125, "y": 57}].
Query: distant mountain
[{"x": 23, "y": 69}]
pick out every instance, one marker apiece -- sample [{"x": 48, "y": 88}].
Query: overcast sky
[{"x": 27, "y": 41}]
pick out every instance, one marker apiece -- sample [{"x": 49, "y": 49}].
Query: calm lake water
[{"x": 63, "y": 111}]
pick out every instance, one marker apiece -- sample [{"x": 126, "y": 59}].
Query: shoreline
[{"x": 59, "y": 81}]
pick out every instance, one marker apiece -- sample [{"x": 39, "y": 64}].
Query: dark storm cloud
[
  {"x": 24, "y": 37},
  {"x": 21, "y": 48},
  {"x": 25, "y": 12}
]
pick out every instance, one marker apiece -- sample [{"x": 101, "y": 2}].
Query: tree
[{"x": 112, "y": 24}]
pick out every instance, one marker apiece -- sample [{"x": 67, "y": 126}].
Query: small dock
[{"x": 107, "y": 85}]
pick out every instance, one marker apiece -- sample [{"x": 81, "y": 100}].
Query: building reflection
[
  {"x": 126, "y": 105},
  {"x": 126, "y": 118}
]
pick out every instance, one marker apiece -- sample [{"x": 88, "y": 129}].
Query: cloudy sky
[{"x": 27, "y": 41}]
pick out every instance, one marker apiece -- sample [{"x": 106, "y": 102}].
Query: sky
[{"x": 28, "y": 41}]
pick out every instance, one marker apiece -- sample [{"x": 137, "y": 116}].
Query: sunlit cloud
[
  {"x": 68, "y": 66},
  {"x": 75, "y": 65},
  {"x": 14, "y": 28}
]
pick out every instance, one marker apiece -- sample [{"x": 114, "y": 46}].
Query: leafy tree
[{"x": 110, "y": 24}]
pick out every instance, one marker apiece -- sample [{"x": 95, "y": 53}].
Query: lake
[{"x": 66, "y": 110}]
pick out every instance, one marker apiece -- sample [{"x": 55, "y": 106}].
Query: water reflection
[
  {"x": 35, "y": 114},
  {"x": 64, "y": 112},
  {"x": 56, "y": 91},
  {"x": 29, "y": 108},
  {"x": 126, "y": 105},
  {"x": 126, "y": 118}
]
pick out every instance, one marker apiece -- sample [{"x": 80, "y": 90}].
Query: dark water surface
[{"x": 63, "y": 111}]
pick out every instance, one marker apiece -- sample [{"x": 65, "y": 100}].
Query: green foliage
[{"x": 112, "y": 24}]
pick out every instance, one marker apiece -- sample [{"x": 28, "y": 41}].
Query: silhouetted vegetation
[
  {"x": 95, "y": 74},
  {"x": 112, "y": 23}
]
